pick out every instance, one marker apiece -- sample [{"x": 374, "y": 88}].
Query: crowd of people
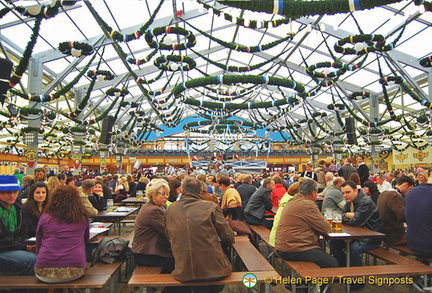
[{"x": 191, "y": 216}]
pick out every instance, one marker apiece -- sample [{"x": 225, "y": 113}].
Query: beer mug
[
  {"x": 139, "y": 195},
  {"x": 337, "y": 221},
  {"x": 328, "y": 215},
  {"x": 110, "y": 205}
]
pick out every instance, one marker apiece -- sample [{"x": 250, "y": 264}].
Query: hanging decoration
[
  {"x": 296, "y": 9},
  {"x": 76, "y": 49},
  {"x": 426, "y": 62},
  {"x": 161, "y": 62},
  {"x": 100, "y": 74},
  {"x": 22, "y": 66},
  {"x": 150, "y": 34}
]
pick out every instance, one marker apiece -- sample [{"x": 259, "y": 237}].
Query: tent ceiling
[{"x": 388, "y": 117}]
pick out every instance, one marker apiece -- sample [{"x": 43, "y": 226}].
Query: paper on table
[
  {"x": 115, "y": 214},
  {"x": 98, "y": 230},
  {"x": 338, "y": 234}
]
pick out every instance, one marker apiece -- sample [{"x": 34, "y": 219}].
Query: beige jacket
[
  {"x": 87, "y": 204},
  {"x": 300, "y": 225}
]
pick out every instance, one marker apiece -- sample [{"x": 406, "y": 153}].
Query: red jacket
[{"x": 277, "y": 194}]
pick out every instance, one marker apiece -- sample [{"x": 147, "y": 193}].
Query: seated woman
[
  {"x": 61, "y": 237},
  {"x": 121, "y": 190},
  {"x": 150, "y": 244},
  {"x": 34, "y": 206},
  {"x": 142, "y": 182},
  {"x": 97, "y": 198}
]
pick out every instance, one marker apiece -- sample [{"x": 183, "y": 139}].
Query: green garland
[
  {"x": 76, "y": 49},
  {"x": 359, "y": 96},
  {"x": 232, "y": 79},
  {"x": 239, "y": 68},
  {"x": 242, "y": 48},
  {"x": 132, "y": 60},
  {"x": 105, "y": 73},
  {"x": 426, "y": 62},
  {"x": 59, "y": 93},
  {"x": 331, "y": 76},
  {"x": 112, "y": 91},
  {"x": 296, "y": 9},
  {"x": 43, "y": 11},
  {"x": 159, "y": 62},
  {"x": 253, "y": 24},
  {"x": 22, "y": 66},
  {"x": 386, "y": 79},
  {"x": 169, "y": 30},
  {"x": 375, "y": 43},
  {"x": 115, "y": 35}
]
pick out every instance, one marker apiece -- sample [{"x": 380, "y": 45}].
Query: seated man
[
  {"x": 418, "y": 207},
  {"x": 259, "y": 203},
  {"x": 16, "y": 257},
  {"x": 333, "y": 198},
  {"x": 301, "y": 224},
  {"x": 391, "y": 206},
  {"x": 197, "y": 231},
  {"x": 359, "y": 211}
]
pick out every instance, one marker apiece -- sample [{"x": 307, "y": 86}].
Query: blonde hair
[{"x": 155, "y": 185}]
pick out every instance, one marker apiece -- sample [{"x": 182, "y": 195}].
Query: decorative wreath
[
  {"x": 43, "y": 11},
  {"x": 359, "y": 96},
  {"x": 115, "y": 92},
  {"x": 336, "y": 107},
  {"x": 159, "y": 63},
  {"x": 396, "y": 79},
  {"x": 426, "y": 62},
  {"x": 374, "y": 43},
  {"x": 106, "y": 75},
  {"x": 76, "y": 49},
  {"x": 296, "y": 9},
  {"x": 232, "y": 79},
  {"x": 328, "y": 77},
  {"x": 169, "y": 30}
]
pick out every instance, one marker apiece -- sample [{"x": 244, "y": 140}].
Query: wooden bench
[
  {"x": 252, "y": 259},
  {"x": 400, "y": 266},
  {"x": 166, "y": 280},
  {"x": 404, "y": 250},
  {"x": 96, "y": 278},
  {"x": 390, "y": 257},
  {"x": 262, "y": 234}
]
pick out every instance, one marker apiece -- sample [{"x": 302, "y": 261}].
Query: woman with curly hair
[
  {"x": 61, "y": 237},
  {"x": 34, "y": 206}
]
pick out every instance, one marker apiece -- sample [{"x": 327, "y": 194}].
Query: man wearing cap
[{"x": 15, "y": 256}]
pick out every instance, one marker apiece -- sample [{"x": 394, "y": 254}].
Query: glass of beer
[
  {"x": 337, "y": 221},
  {"x": 110, "y": 205},
  {"x": 328, "y": 215},
  {"x": 139, "y": 195}
]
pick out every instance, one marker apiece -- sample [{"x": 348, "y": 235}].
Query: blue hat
[{"x": 9, "y": 183}]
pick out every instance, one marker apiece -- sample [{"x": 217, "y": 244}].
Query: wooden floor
[{"x": 280, "y": 288}]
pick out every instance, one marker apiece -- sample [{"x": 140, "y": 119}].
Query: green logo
[{"x": 249, "y": 280}]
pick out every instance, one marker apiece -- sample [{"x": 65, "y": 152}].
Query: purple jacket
[{"x": 61, "y": 245}]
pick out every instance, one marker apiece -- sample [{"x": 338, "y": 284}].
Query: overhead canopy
[{"x": 218, "y": 75}]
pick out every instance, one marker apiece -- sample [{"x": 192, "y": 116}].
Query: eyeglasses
[{"x": 160, "y": 193}]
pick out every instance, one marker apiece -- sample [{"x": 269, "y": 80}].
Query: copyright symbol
[{"x": 268, "y": 280}]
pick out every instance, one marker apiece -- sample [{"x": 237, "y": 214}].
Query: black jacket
[{"x": 13, "y": 240}]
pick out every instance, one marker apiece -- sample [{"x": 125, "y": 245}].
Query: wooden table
[
  {"x": 350, "y": 233},
  {"x": 115, "y": 217},
  {"x": 134, "y": 201}
]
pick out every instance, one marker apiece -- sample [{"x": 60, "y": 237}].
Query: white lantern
[
  {"x": 117, "y": 94},
  {"x": 100, "y": 77},
  {"x": 358, "y": 47},
  {"x": 76, "y": 52},
  {"x": 168, "y": 40},
  {"x": 174, "y": 67}
]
